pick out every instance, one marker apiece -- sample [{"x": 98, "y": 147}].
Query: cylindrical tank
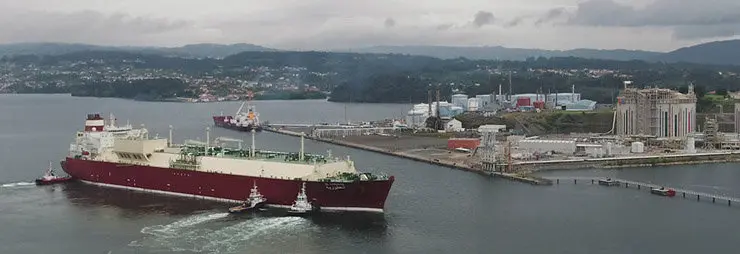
[
  {"x": 638, "y": 147},
  {"x": 473, "y": 104}
]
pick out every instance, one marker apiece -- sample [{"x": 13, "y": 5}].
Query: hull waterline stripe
[{"x": 355, "y": 209}]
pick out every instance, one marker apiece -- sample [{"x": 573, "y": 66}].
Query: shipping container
[
  {"x": 523, "y": 101},
  {"x": 539, "y": 104},
  {"x": 469, "y": 143}
]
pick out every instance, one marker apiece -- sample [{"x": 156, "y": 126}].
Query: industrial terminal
[{"x": 525, "y": 133}]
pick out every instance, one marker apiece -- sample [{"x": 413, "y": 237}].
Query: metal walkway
[{"x": 639, "y": 185}]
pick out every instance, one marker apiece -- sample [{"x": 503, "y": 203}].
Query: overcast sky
[{"x": 660, "y": 25}]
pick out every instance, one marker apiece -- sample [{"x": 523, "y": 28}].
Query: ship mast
[
  {"x": 208, "y": 138},
  {"x": 251, "y": 151},
  {"x": 302, "y": 154},
  {"x": 169, "y": 140}
]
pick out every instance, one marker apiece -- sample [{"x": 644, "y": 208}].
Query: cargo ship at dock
[
  {"x": 244, "y": 121},
  {"x": 125, "y": 157}
]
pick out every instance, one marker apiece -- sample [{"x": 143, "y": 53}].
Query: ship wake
[
  {"x": 15, "y": 185},
  {"x": 194, "y": 234}
]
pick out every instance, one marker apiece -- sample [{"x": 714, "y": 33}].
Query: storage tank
[
  {"x": 523, "y": 101},
  {"x": 484, "y": 100},
  {"x": 460, "y": 100},
  {"x": 638, "y": 147},
  {"x": 473, "y": 104}
]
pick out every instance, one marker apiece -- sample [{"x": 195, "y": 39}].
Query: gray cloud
[
  {"x": 551, "y": 15},
  {"x": 446, "y": 26},
  {"x": 700, "y": 32},
  {"x": 389, "y": 23},
  {"x": 483, "y": 18},
  {"x": 687, "y": 18},
  {"x": 83, "y": 26}
]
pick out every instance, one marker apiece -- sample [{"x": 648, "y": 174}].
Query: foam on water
[
  {"x": 183, "y": 236},
  {"x": 18, "y": 184}
]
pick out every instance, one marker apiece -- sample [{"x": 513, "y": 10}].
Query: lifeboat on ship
[
  {"x": 662, "y": 191},
  {"x": 255, "y": 201},
  {"x": 50, "y": 178}
]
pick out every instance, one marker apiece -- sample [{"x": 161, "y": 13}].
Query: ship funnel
[{"x": 94, "y": 123}]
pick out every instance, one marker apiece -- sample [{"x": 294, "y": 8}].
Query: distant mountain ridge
[
  {"x": 717, "y": 53},
  {"x": 503, "y": 53},
  {"x": 203, "y": 50}
]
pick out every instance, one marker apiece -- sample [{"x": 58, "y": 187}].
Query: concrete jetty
[
  {"x": 686, "y": 194},
  {"x": 515, "y": 177}
]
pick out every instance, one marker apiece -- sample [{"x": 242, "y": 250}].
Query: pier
[
  {"x": 509, "y": 176},
  {"x": 686, "y": 194}
]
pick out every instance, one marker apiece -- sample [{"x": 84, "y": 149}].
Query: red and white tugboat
[
  {"x": 256, "y": 200},
  {"x": 50, "y": 178},
  {"x": 662, "y": 191},
  {"x": 301, "y": 206}
]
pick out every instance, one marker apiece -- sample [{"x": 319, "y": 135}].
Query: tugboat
[
  {"x": 662, "y": 191},
  {"x": 50, "y": 178},
  {"x": 301, "y": 206},
  {"x": 256, "y": 200},
  {"x": 608, "y": 182}
]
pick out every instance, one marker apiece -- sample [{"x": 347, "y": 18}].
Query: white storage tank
[
  {"x": 638, "y": 147},
  {"x": 460, "y": 100},
  {"x": 473, "y": 104}
]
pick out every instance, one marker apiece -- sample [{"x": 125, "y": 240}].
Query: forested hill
[{"x": 393, "y": 77}]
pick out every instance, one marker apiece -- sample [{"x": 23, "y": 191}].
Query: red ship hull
[
  {"x": 225, "y": 122},
  {"x": 354, "y": 196}
]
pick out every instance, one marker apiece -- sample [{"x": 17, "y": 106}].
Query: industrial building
[
  {"x": 657, "y": 112},
  {"x": 417, "y": 116}
]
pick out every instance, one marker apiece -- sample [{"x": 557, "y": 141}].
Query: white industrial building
[
  {"x": 454, "y": 125},
  {"x": 491, "y": 128},
  {"x": 544, "y": 146},
  {"x": 658, "y": 112},
  {"x": 417, "y": 116}
]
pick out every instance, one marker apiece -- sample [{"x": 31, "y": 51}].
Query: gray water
[{"x": 430, "y": 209}]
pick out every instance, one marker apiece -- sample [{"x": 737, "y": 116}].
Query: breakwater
[{"x": 515, "y": 177}]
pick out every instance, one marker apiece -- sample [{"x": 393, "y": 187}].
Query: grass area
[{"x": 546, "y": 122}]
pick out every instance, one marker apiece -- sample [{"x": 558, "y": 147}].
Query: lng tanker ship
[
  {"x": 243, "y": 120},
  {"x": 126, "y": 157}
]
